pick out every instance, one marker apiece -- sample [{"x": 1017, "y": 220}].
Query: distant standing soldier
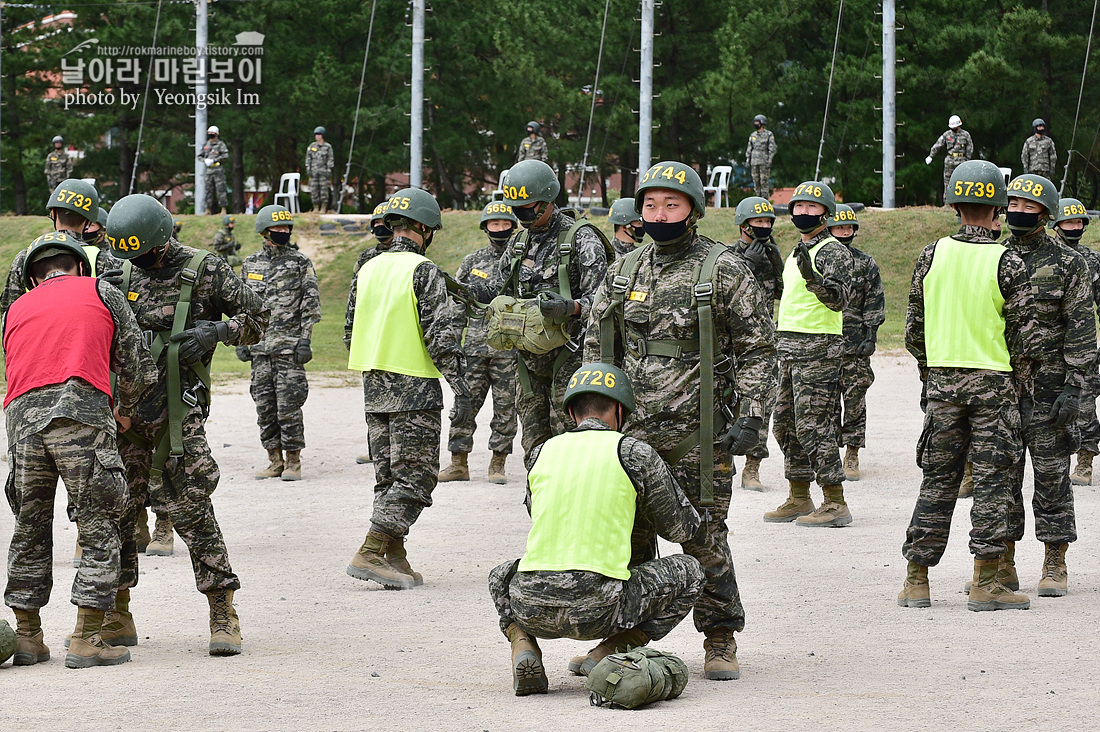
[
  {"x": 177, "y": 227},
  {"x": 319, "y": 164},
  {"x": 628, "y": 227},
  {"x": 533, "y": 146},
  {"x": 1039, "y": 155},
  {"x": 957, "y": 146},
  {"x": 486, "y": 368},
  {"x": 226, "y": 245},
  {"x": 59, "y": 165},
  {"x": 214, "y": 154},
  {"x": 758, "y": 156},
  {"x": 284, "y": 278}
]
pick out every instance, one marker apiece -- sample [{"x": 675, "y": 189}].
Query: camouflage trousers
[
  {"x": 86, "y": 459},
  {"x": 1050, "y": 448},
  {"x": 590, "y": 606},
  {"x": 761, "y": 180},
  {"x": 949, "y": 165},
  {"x": 181, "y": 494},
  {"x": 1087, "y": 423},
  {"x": 279, "y": 388},
  {"x": 320, "y": 190},
  {"x": 540, "y": 411},
  {"x": 856, "y": 378},
  {"x": 499, "y": 374},
  {"x": 806, "y": 420},
  {"x": 760, "y": 449},
  {"x": 953, "y": 433},
  {"x": 405, "y": 447},
  {"x": 215, "y": 189}
]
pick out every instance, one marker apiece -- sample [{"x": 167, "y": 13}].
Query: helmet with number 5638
[
  {"x": 273, "y": 215},
  {"x": 1035, "y": 188},
  {"x": 49, "y": 245},
  {"x": 137, "y": 224},
  {"x": 977, "y": 181},
  {"x": 78, "y": 196},
  {"x": 600, "y": 378},
  {"x": 497, "y": 211},
  {"x": 530, "y": 181},
  {"x": 815, "y": 192},
  {"x": 753, "y": 207},
  {"x": 414, "y": 204},
  {"x": 673, "y": 176},
  {"x": 1070, "y": 209}
]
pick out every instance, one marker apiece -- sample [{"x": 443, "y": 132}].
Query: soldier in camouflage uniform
[
  {"x": 758, "y": 156},
  {"x": 284, "y": 278},
  {"x": 1062, "y": 286},
  {"x": 214, "y": 153},
  {"x": 319, "y": 164},
  {"x": 59, "y": 165},
  {"x": 60, "y": 342},
  {"x": 533, "y": 146},
  {"x": 177, "y": 227},
  {"x": 567, "y": 586},
  {"x": 485, "y": 367},
  {"x": 226, "y": 245},
  {"x": 863, "y": 314},
  {"x": 628, "y": 227},
  {"x": 139, "y": 230},
  {"x": 649, "y": 324},
  {"x": 958, "y": 148},
  {"x": 395, "y": 296},
  {"x": 975, "y": 346},
  {"x": 1039, "y": 155}
]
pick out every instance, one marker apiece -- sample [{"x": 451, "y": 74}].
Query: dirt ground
[{"x": 825, "y": 645}]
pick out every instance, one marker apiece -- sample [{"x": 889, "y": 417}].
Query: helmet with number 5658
[
  {"x": 977, "y": 181},
  {"x": 673, "y": 176},
  {"x": 600, "y": 378},
  {"x": 273, "y": 215},
  {"x": 137, "y": 224},
  {"x": 1035, "y": 188},
  {"x": 530, "y": 181}
]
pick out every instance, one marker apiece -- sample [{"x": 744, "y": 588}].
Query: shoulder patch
[
  {"x": 255, "y": 276},
  {"x": 478, "y": 273},
  {"x": 132, "y": 296}
]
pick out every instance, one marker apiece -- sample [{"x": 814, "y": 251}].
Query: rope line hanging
[
  {"x": 829, "y": 93},
  {"x": 358, "y": 102},
  {"x": 592, "y": 109},
  {"x": 144, "y": 105},
  {"x": 1080, "y": 95}
]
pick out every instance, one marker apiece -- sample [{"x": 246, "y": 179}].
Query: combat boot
[
  {"x": 293, "y": 469},
  {"x": 398, "y": 559},
  {"x": 496, "y": 468},
  {"x": 988, "y": 594},
  {"x": 966, "y": 488},
  {"x": 798, "y": 503},
  {"x": 29, "y": 646},
  {"x": 118, "y": 624},
  {"x": 914, "y": 593},
  {"x": 1006, "y": 572},
  {"x": 1055, "y": 579},
  {"x": 619, "y": 643},
  {"x": 528, "y": 673},
  {"x": 720, "y": 661},
  {"x": 225, "y": 626},
  {"x": 750, "y": 475},
  {"x": 370, "y": 563},
  {"x": 832, "y": 512},
  {"x": 275, "y": 468},
  {"x": 163, "y": 541},
  {"x": 457, "y": 470},
  {"x": 141, "y": 534},
  {"x": 1082, "y": 474},
  {"x": 88, "y": 648},
  {"x": 851, "y": 463},
  {"x": 363, "y": 460}
]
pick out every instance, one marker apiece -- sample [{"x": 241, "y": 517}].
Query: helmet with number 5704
[
  {"x": 49, "y": 245},
  {"x": 814, "y": 191},
  {"x": 1035, "y": 188},
  {"x": 414, "y": 204},
  {"x": 78, "y": 196},
  {"x": 753, "y": 207},
  {"x": 674, "y": 176},
  {"x": 530, "y": 181},
  {"x": 977, "y": 181},
  {"x": 137, "y": 224},
  {"x": 273, "y": 215},
  {"x": 600, "y": 378}
]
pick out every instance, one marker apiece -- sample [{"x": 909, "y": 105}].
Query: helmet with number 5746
[
  {"x": 78, "y": 196},
  {"x": 753, "y": 207},
  {"x": 530, "y": 181},
  {"x": 600, "y": 378},
  {"x": 1070, "y": 209},
  {"x": 273, "y": 215},
  {"x": 673, "y": 176},
  {"x": 414, "y": 204},
  {"x": 977, "y": 181},
  {"x": 1035, "y": 188},
  {"x": 137, "y": 224},
  {"x": 814, "y": 191}
]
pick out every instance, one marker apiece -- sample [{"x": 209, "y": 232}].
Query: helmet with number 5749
[
  {"x": 1035, "y": 188},
  {"x": 753, "y": 207},
  {"x": 1070, "y": 209},
  {"x": 273, "y": 215},
  {"x": 78, "y": 196},
  {"x": 137, "y": 224},
  {"x": 600, "y": 378},
  {"x": 530, "y": 181},
  {"x": 977, "y": 181},
  {"x": 497, "y": 211},
  {"x": 815, "y": 192},
  {"x": 674, "y": 176},
  {"x": 414, "y": 204}
]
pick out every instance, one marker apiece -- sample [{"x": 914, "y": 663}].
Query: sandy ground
[{"x": 825, "y": 647}]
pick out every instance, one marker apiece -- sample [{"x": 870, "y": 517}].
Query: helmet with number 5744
[
  {"x": 673, "y": 176},
  {"x": 977, "y": 181},
  {"x": 844, "y": 216},
  {"x": 753, "y": 207},
  {"x": 273, "y": 215},
  {"x": 49, "y": 245},
  {"x": 137, "y": 224},
  {"x": 78, "y": 196},
  {"x": 600, "y": 378},
  {"x": 414, "y": 204},
  {"x": 497, "y": 211},
  {"x": 1070, "y": 209},
  {"x": 530, "y": 181},
  {"x": 1035, "y": 188},
  {"x": 815, "y": 192}
]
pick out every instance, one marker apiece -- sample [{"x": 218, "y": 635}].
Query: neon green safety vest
[
  {"x": 92, "y": 251},
  {"x": 964, "y": 322},
  {"x": 582, "y": 506},
  {"x": 799, "y": 309},
  {"x": 386, "y": 335}
]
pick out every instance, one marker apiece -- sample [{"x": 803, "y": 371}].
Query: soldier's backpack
[
  {"x": 7, "y": 641},
  {"x": 634, "y": 679}
]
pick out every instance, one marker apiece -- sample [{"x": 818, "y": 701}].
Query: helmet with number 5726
[
  {"x": 1035, "y": 188},
  {"x": 673, "y": 176},
  {"x": 137, "y": 224},
  {"x": 977, "y": 181},
  {"x": 273, "y": 215},
  {"x": 753, "y": 207},
  {"x": 600, "y": 378}
]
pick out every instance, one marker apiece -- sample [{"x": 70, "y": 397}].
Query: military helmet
[
  {"x": 227, "y": 220},
  {"x": 318, "y": 130},
  {"x": 815, "y": 192},
  {"x": 51, "y": 244},
  {"x": 379, "y": 210},
  {"x": 78, "y": 196},
  {"x": 177, "y": 224},
  {"x": 1070, "y": 209},
  {"x": 535, "y": 126},
  {"x": 1035, "y": 188},
  {"x": 977, "y": 181},
  {"x": 954, "y": 121},
  {"x": 137, "y": 224},
  {"x": 57, "y": 138},
  {"x": 622, "y": 212},
  {"x": 498, "y": 211},
  {"x": 101, "y": 217},
  {"x": 414, "y": 204},
  {"x": 674, "y": 176},
  {"x": 1038, "y": 122},
  {"x": 600, "y": 378},
  {"x": 844, "y": 216},
  {"x": 530, "y": 181},
  {"x": 273, "y": 215},
  {"x": 753, "y": 207},
  {"x": 761, "y": 119}
]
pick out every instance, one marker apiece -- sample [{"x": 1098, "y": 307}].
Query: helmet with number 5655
[
  {"x": 1035, "y": 188},
  {"x": 273, "y": 215},
  {"x": 414, "y": 204},
  {"x": 673, "y": 176},
  {"x": 977, "y": 181},
  {"x": 137, "y": 224},
  {"x": 530, "y": 181},
  {"x": 600, "y": 378},
  {"x": 753, "y": 207}
]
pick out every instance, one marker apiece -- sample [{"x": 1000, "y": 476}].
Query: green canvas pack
[{"x": 634, "y": 679}]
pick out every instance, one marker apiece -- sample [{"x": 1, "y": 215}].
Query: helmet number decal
[
  {"x": 765, "y": 207},
  {"x": 498, "y": 208},
  {"x": 1074, "y": 209},
  {"x": 280, "y": 216},
  {"x": 400, "y": 203},
  {"x": 78, "y": 200},
  {"x": 1027, "y": 186},
  {"x": 515, "y": 193},
  {"x": 977, "y": 189},
  {"x": 131, "y": 244},
  {"x": 667, "y": 172},
  {"x": 844, "y": 216},
  {"x": 809, "y": 190},
  {"x": 593, "y": 378}
]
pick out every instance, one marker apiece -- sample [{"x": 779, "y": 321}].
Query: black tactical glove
[
  {"x": 200, "y": 340},
  {"x": 755, "y": 254},
  {"x": 924, "y": 396},
  {"x": 302, "y": 352},
  {"x": 463, "y": 412},
  {"x": 1067, "y": 406},
  {"x": 112, "y": 277},
  {"x": 244, "y": 353},
  {"x": 804, "y": 262},
  {"x": 555, "y": 308},
  {"x": 867, "y": 347},
  {"x": 743, "y": 435}
]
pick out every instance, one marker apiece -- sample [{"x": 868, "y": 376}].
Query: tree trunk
[{"x": 14, "y": 160}]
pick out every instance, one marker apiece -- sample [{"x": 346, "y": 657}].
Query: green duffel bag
[
  {"x": 7, "y": 641},
  {"x": 634, "y": 679},
  {"x": 518, "y": 324}
]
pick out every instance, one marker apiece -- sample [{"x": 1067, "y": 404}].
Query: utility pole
[
  {"x": 645, "y": 89},
  {"x": 889, "y": 104},
  {"x": 200, "y": 109},
  {"x": 416, "y": 133}
]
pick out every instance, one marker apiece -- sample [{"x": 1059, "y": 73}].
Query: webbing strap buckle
[
  {"x": 189, "y": 276},
  {"x": 724, "y": 366},
  {"x": 704, "y": 291},
  {"x": 620, "y": 284},
  {"x": 147, "y": 338},
  {"x": 574, "y": 344},
  {"x": 565, "y": 248}
]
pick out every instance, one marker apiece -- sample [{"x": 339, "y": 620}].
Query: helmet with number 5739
[
  {"x": 753, "y": 207},
  {"x": 530, "y": 181},
  {"x": 815, "y": 192},
  {"x": 1035, "y": 188},
  {"x": 273, "y": 215},
  {"x": 977, "y": 181},
  {"x": 137, "y": 224},
  {"x": 674, "y": 176},
  {"x": 600, "y": 378}
]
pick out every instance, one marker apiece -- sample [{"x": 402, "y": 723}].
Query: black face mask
[
  {"x": 428, "y": 241},
  {"x": 845, "y": 239},
  {"x": 997, "y": 233},
  {"x": 1072, "y": 235},
  {"x": 526, "y": 214},
  {"x": 757, "y": 125},
  {"x": 382, "y": 233},
  {"x": 637, "y": 233},
  {"x": 665, "y": 232},
  {"x": 279, "y": 238},
  {"x": 210, "y": 137},
  {"x": 146, "y": 260},
  {"x": 805, "y": 223},
  {"x": 761, "y": 232},
  {"x": 500, "y": 238},
  {"x": 91, "y": 237},
  {"x": 1022, "y": 222}
]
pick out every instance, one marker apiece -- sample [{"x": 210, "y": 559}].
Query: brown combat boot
[
  {"x": 720, "y": 661},
  {"x": 1055, "y": 581},
  {"x": 118, "y": 624},
  {"x": 398, "y": 559},
  {"x": 87, "y": 648},
  {"x": 141, "y": 534},
  {"x": 29, "y": 646},
  {"x": 1006, "y": 573},
  {"x": 619, "y": 643},
  {"x": 966, "y": 488},
  {"x": 363, "y": 459},
  {"x": 750, "y": 475},
  {"x": 496, "y": 468},
  {"x": 293, "y": 469},
  {"x": 225, "y": 626},
  {"x": 914, "y": 593},
  {"x": 988, "y": 594},
  {"x": 798, "y": 503},
  {"x": 851, "y": 463},
  {"x": 833, "y": 512},
  {"x": 370, "y": 563},
  {"x": 163, "y": 541},
  {"x": 1082, "y": 474},
  {"x": 275, "y": 468},
  {"x": 457, "y": 470},
  {"x": 528, "y": 673}
]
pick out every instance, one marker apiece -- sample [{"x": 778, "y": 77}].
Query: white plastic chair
[
  {"x": 498, "y": 194},
  {"x": 719, "y": 184},
  {"x": 1007, "y": 173},
  {"x": 290, "y": 186}
]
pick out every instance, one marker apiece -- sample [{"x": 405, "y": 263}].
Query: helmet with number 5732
[
  {"x": 78, "y": 196},
  {"x": 753, "y": 207},
  {"x": 977, "y": 181},
  {"x": 137, "y": 224},
  {"x": 1035, "y": 188},
  {"x": 273, "y": 215},
  {"x": 673, "y": 176},
  {"x": 600, "y": 378}
]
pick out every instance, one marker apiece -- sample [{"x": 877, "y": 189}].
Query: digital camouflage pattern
[
  {"x": 225, "y": 244},
  {"x": 59, "y": 166},
  {"x": 958, "y": 147},
  {"x": 758, "y": 158},
  {"x": 1087, "y": 423},
  {"x": 1039, "y": 156},
  {"x": 856, "y": 377},
  {"x": 405, "y": 448},
  {"x": 622, "y": 248},
  {"x": 320, "y": 161},
  {"x": 532, "y": 149},
  {"x": 215, "y": 174},
  {"x": 770, "y": 281},
  {"x": 864, "y": 313},
  {"x": 13, "y": 287}
]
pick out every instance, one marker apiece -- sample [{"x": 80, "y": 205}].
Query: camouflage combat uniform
[
  {"x": 226, "y": 245},
  {"x": 588, "y": 605},
  {"x": 971, "y": 414},
  {"x": 666, "y": 390},
  {"x": 622, "y": 248},
  {"x": 1066, "y": 334},
  {"x": 183, "y": 491},
  {"x": 319, "y": 164},
  {"x": 864, "y": 312},
  {"x": 13, "y": 287},
  {"x": 215, "y": 174},
  {"x": 758, "y": 158},
  {"x": 532, "y": 149},
  {"x": 1039, "y": 156},
  {"x": 284, "y": 279},
  {"x": 958, "y": 148},
  {"x": 1087, "y": 423},
  {"x": 485, "y": 367},
  {"x": 59, "y": 166},
  {"x": 404, "y": 413},
  {"x": 67, "y": 430}
]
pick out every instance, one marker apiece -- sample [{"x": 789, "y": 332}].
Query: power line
[{"x": 144, "y": 106}]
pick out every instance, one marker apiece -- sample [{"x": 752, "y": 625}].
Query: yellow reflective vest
[{"x": 799, "y": 309}]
